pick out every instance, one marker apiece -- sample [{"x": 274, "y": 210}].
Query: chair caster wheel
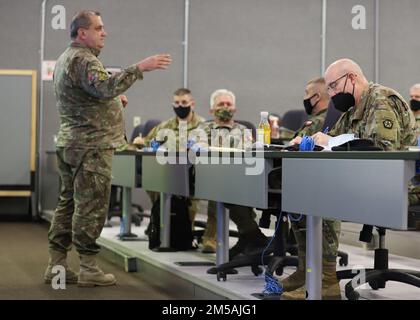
[
  {"x": 377, "y": 284},
  {"x": 279, "y": 271},
  {"x": 352, "y": 295},
  {"x": 221, "y": 276},
  {"x": 256, "y": 270},
  {"x": 343, "y": 262}
]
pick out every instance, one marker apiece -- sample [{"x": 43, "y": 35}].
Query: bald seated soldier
[{"x": 371, "y": 111}]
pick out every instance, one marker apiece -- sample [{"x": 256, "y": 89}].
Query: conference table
[{"x": 368, "y": 187}]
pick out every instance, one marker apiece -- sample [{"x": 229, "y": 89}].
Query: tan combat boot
[
  {"x": 297, "y": 278},
  {"x": 59, "y": 258},
  {"x": 209, "y": 245},
  {"x": 91, "y": 275},
  {"x": 330, "y": 285}
]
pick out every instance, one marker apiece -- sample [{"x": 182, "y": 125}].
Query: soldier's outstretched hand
[{"x": 158, "y": 61}]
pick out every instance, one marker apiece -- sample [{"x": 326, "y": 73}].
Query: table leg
[
  {"x": 222, "y": 250},
  {"x": 126, "y": 215},
  {"x": 314, "y": 257},
  {"x": 165, "y": 220}
]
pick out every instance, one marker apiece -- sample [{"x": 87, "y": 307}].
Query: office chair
[
  {"x": 380, "y": 274},
  {"x": 250, "y": 126},
  {"x": 294, "y": 119},
  {"x": 115, "y": 206},
  {"x": 283, "y": 242},
  {"x": 275, "y": 255},
  {"x": 332, "y": 116}
]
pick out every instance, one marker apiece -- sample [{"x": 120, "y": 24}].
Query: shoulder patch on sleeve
[
  {"x": 388, "y": 123},
  {"x": 307, "y": 123}
]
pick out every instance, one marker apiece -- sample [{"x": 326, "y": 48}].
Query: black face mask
[
  {"x": 343, "y": 101},
  {"x": 308, "y": 106},
  {"x": 182, "y": 112},
  {"x": 414, "y": 105}
]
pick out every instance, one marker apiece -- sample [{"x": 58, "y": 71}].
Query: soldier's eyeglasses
[{"x": 334, "y": 84}]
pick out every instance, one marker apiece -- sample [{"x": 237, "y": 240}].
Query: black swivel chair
[
  {"x": 332, "y": 116},
  {"x": 380, "y": 274},
  {"x": 294, "y": 119},
  {"x": 250, "y": 126}
]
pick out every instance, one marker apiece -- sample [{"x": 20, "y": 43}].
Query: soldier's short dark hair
[
  {"x": 182, "y": 92},
  {"x": 322, "y": 85},
  {"x": 81, "y": 20},
  {"x": 317, "y": 81}
]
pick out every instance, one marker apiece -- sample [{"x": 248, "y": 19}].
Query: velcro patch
[{"x": 388, "y": 124}]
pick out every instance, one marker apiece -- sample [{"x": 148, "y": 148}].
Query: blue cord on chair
[
  {"x": 307, "y": 144},
  {"x": 272, "y": 285}
]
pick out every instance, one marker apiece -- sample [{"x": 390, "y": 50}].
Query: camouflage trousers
[
  {"x": 243, "y": 217},
  {"x": 85, "y": 178},
  {"x": 330, "y": 235},
  {"x": 414, "y": 190}
]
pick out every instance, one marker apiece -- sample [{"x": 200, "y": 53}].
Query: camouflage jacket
[
  {"x": 417, "y": 125},
  {"x": 174, "y": 125},
  {"x": 88, "y": 102},
  {"x": 313, "y": 124},
  {"x": 383, "y": 116},
  {"x": 233, "y": 136}
]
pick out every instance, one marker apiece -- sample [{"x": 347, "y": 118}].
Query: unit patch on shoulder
[
  {"x": 307, "y": 123},
  {"x": 388, "y": 123}
]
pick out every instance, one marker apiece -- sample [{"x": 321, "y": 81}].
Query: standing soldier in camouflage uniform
[
  {"x": 371, "y": 111},
  {"x": 183, "y": 105},
  {"x": 224, "y": 129},
  {"x": 91, "y": 127},
  {"x": 316, "y": 103}
]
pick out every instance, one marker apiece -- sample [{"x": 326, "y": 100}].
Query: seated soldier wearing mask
[
  {"x": 371, "y": 111},
  {"x": 183, "y": 105},
  {"x": 414, "y": 187},
  {"x": 224, "y": 128},
  {"x": 415, "y": 105},
  {"x": 316, "y": 103}
]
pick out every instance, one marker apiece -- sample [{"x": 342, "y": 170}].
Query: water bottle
[{"x": 264, "y": 129}]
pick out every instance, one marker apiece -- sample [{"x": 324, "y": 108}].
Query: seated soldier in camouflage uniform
[
  {"x": 371, "y": 111},
  {"x": 183, "y": 105},
  {"x": 91, "y": 128},
  {"x": 414, "y": 187},
  {"x": 224, "y": 129},
  {"x": 315, "y": 103}
]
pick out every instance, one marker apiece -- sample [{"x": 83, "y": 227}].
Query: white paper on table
[{"x": 338, "y": 140}]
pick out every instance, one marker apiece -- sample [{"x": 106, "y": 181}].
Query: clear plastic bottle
[{"x": 264, "y": 130}]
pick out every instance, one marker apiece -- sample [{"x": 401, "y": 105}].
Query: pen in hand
[{"x": 326, "y": 130}]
